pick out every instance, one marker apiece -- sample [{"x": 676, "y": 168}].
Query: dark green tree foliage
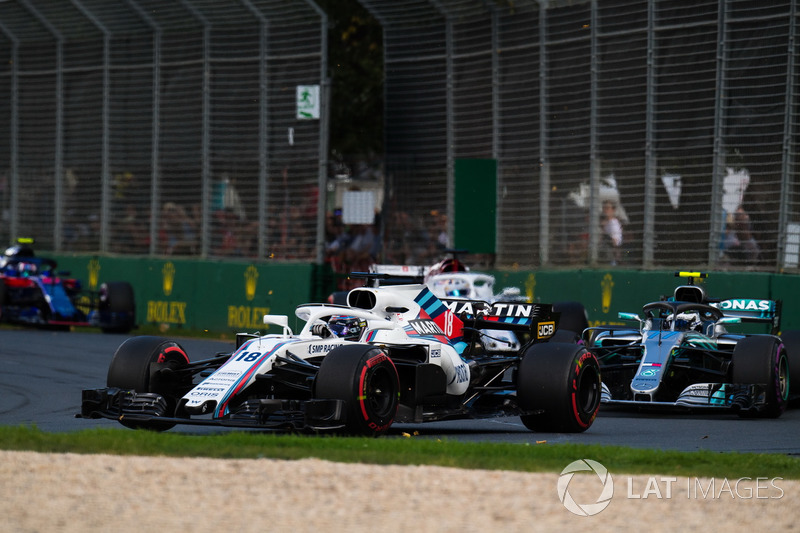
[{"x": 355, "y": 64}]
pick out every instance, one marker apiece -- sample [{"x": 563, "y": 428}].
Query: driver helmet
[
  {"x": 687, "y": 321},
  {"x": 451, "y": 287},
  {"x": 26, "y": 269},
  {"x": 15, "y": 252},
  {"x": 447, "y": 265},
  {"x": 347, "y": 327},
  {"x": 18, "y": 251}
]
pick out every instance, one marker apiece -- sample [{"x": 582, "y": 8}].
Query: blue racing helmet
[{"x": 347, "y": 327}]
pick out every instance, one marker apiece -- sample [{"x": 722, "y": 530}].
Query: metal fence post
[
  {"x": 58, "y": 163},
  {"x": 155, "y": 127},
  {"x": 787, "y": 162},
  {"x": 13, "y": 178},
  {"x": 263, "y": 130},
  {"x": 594, "y": 164},
  {"x": 544, "y": 159},
  {"x": 717, "y": 214},
  {"x": 105, "y": 165},
  {"x": 649, "y": 214},
  {"x": 324, "y": 126}
]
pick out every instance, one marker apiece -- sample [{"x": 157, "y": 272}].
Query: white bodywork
[{"x": 394, "y": 319}]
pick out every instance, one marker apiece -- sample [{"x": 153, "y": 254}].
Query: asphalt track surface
[{"x": 42, "y": 374}]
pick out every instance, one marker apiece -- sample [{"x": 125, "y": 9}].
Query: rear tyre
[
  {"x": 117, "y": 307},
  {"x": 560, "y": 384},
  {"x": 573, "y": 316},
  {"x": 763, "y": 359},
  {"x": 130, "y": 369},
  {"x": 565, "y": 335},
  {"x": 366, "y": 379}
]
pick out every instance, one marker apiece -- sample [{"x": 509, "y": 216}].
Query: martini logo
[
  {"x": 478, "y": 308},
  {"x": 425, "y": 327}
]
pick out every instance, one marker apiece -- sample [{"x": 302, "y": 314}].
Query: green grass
[{"x": 402, "y": 451}]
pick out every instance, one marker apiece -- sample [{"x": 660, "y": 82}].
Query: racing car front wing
[
  {"x": 138, "y": 407},
  {"x": 739, "y": 397}
]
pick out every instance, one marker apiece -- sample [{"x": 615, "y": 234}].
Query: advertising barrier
[
  {"x": 231, "y": 297},
  {"x": 217, "y": 296}
]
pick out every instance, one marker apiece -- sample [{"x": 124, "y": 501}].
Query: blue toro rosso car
[
  {"x": 33, "y": 293},
  {"x": 680, "y": 354}
]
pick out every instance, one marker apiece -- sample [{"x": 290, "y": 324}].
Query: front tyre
[
  {"x": 130, "y": 369},
  {"x": 559, "y": 383},
  {"x": 366, "y": 380},
  {"x": 763, "y": 360},
  {"x": 791, "y": 341}
]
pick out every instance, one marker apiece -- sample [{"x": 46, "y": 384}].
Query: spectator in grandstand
[
  {"x": 612, "y": 234},
  {"x": 440, "y": 225},
  {"x": 739, "y": 244},
  {"x": 226, "y": 197},
  {"x": 364, "y": 248},
  {"x": 178, "y": 234},
  {"x": 337, "y": 239},
  {"x": 132, "y": 235},
  {"x": 226, "y": 233},
  {"x": 400, "y": 234},
  {"x": 578, "y": 242}
]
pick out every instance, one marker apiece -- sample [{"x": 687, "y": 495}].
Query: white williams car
[{"x": 392, "y": 354}]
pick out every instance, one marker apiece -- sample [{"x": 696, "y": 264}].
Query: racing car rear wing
[
  {"x": 763, "y": 311},
  {"x": 538, "y": 319},
  {"x": 398, "y": 274},
  {"x": 748, "y": 310}
]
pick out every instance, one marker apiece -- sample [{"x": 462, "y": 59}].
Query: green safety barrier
[
  {"x": 216, "y": 296},
  {"x": 604, "y": 293},
  {"x": 230, "y": 296}
]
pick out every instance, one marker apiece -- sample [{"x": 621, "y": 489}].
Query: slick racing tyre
[
  {"x": 572, "y": 316},
  {"x": 791, "y": 341},
  {"x": 366, "y": 379},
  {"x": 763, "y": 360},
  {"x": 117, "y": 307},
  {"x": 559, "y": 384},
  {"x": 130, "y": 369}
]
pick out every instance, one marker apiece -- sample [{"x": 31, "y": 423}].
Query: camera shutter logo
[{"x": 585, "y": 509}]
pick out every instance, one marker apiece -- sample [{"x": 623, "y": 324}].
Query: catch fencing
[
  {"x": 189, "y": 127},
  {"x": 680, "y": 113},
  {"x": 131, "y": 119}
]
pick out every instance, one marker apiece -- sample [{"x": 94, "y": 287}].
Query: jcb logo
[{"x": 546, "y": 329}]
